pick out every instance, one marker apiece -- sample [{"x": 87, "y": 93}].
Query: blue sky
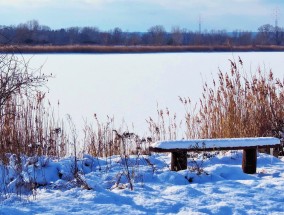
[{"x": 140, "y": 15}]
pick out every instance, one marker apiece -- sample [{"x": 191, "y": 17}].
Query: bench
[{"x": 179, "y": 149}]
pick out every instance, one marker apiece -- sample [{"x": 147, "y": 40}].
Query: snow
[
  {"x": 217, "y": 143},
  {"x": 221, "y": 188}
]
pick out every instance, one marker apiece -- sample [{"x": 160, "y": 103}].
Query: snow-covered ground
[{"x": 222, "y": 188}]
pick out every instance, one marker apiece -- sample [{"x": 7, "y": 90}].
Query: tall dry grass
[
  {"x": 27, "y": 122},
  {"x": 30, "y": 128},
  {"x": 134, "y": 49},
  {"x": 241, "y": 104},
  {"x": 236, "y": 104},
  {"x": 165, "y": 126},
  {"x": 99, "y": 136},
  {"x": 104, "y": 139}
]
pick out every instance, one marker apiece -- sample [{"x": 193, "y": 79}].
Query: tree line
[{"x": 32, "y": 33}]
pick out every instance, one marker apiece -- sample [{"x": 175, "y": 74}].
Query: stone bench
[{"x": 179, "y": 149}]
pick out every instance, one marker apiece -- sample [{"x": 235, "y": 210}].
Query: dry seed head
[
  {"x": 180, "y": 99},
  {"x": 270, "y": 75},
  {"x": 240, "y": 61}
]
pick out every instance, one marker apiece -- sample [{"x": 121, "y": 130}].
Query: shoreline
[{"x": 96, "y": 49}]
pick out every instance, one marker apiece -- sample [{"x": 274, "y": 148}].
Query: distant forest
[{"x": 32, "y": 33}]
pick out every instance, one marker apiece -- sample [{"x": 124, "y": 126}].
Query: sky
[{"x": 140, "y": 15}]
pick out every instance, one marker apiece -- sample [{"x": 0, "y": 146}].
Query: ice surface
[{"x": 129, "y": 86}]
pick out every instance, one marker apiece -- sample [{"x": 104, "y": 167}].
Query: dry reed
[
  {"x": 27, "y": 123},
  {"x": 242, "y": 105},
  {"x": 134, "y": 49}
]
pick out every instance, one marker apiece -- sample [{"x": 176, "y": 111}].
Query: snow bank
[
  {"x": 216, "y": 143},
  {"x": 221, "y": 189}
]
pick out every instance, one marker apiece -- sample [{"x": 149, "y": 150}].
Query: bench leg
[
  {"x": 178, "y": 161},
  {"x": 249, "y": 161}
]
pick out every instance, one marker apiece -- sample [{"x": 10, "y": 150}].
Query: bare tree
[
  {"x": 157, "y": 35},
  {"x": 23, "y": 34},
  {"x": 278, "y": 35},
  {"x": 134, "y": 39},
  {"x": 117, "y": 36},
  {"x": 89, "y": 35},
  {"x": 177, "y": 36},
  {"x": 266, "y": 33},
  {"x": 73, "y": 33},
  {"x": 16, "y": 78}
]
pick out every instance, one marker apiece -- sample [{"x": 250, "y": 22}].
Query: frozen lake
[{"x": 129, "y": 86}]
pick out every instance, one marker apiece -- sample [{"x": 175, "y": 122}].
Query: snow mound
[{"x": 221, "y": 188}]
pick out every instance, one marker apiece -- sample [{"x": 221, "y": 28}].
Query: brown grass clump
[
  {"x": 98, "y": 138},
  {"x": 27, "y": 125},
  {"x": 241, "y": 105},
  {"x": 192, "y": 122},
  {"x": 165, "y": 127},
  {"x": 103, "y": 139}
]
